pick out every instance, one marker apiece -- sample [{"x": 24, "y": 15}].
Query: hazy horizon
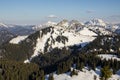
[{"x": 39, "y": 11}]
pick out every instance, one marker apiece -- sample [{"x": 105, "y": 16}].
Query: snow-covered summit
[
  {"x": 37, "y": 27},
  {"x": 76, "y": 22},
  {"x": 99, "y": 26},
  {"x": 50, "y": 23},
  {"x": 76, "y": 25},
  {"x": 63, "y": 34},
  {"x": 71, "y": 25},
  {"x": 63, "y": 23},
  {"x": 41, "y": 26},
  {"x": 49, "y": 38},
  {"x": 98, "y": 22},
  {"x": 3, "y": 25}
]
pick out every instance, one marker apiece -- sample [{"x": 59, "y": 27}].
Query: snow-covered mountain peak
[
  {"x": 52, "y": 37},
  {"x": 47, "y": 24},
  {"x": 100, "y": 27},
  {"x": 98, "y": 22},
  {"x": 50, "y": 23},
  {"x": 75, "y": 25},
  {"x": 37, "y": 27},
  {"x": 76, "y": 22},
  {"x": 3, "y": 25},
  {"x": 63, "y": 23}
]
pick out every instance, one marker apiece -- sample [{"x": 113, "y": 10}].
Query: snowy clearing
[
  {"x": 83, "y": 75},
  {"x": 18, "y": 39},
  {"x": 86, "y": 31},
  {"x": 108, "y": 56}
]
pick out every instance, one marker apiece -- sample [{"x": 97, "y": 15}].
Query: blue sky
[{"x": 38, "y": 11}]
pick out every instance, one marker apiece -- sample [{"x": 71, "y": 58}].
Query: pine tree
[
  {"x": 105, "y": 73},
  {"x": 1, "y": 77},
  {"x": 80, "y": 65},
  {"x": 51, "y": 77},
  {"x": 74, "y": 72},
  {"x": 94, "y": 66},
  {"x": 95, "y": 77}
]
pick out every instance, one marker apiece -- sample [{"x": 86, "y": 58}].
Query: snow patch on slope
[
  {"x": 83, "y": 75},
  {"x": 86, "y": 31},
  {"x": 17, "y": 39},
  {"x": 40, "y": 44},
  {"x": 100, "y": 30},
  {"x": 108, "y": 56},
  {"x": 27, "y": 61}
]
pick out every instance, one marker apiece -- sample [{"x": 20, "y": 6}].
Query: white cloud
[
  {"x": 52, "y": 16},
  {"x": 90, "y": 11}
]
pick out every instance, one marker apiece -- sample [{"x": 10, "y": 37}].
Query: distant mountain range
[
  {"x": 28, "y": 29},
  {"x": 44, "y": 38},
  {"x": 96, "y": 25}
]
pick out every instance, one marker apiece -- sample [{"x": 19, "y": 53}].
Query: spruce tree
[
  {"x": 74, "y": 72},
  {"x": 51, "y": 77},
  {"x": 105, "y": 73}
]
